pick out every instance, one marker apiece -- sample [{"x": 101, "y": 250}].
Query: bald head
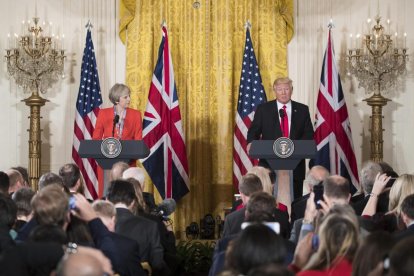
[
  {"x": 80, "y": 264},
  {"x": 336, "y": 187},
  {"x": 315, "y": 175}
]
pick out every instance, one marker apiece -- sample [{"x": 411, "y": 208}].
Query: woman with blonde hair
[
  {"x": 263, "y": 174},
  {"x": 403, "y": 187},
  {"x": 335, "y": 242}
]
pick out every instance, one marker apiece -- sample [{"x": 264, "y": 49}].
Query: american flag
[
  {"x": 163, "y": 134},
  {"x": 335, "y": 150},
  {"x": 251, "y": 94},
  {"x": 87, "y": 108}
]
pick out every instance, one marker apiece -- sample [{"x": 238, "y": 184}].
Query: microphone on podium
[{"x": 116, "y": 120}]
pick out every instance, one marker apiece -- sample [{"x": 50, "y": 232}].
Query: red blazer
[{"x": 132, "y": 125}]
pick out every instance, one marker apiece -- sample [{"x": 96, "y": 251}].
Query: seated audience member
[
  {"x": 402, "y": 258},
  {"x": 371, "y": 251},
  {"x": 336, "y": 190},
  {"x": 259, "y": 209},
  {"x": 48, "y": 234},
  {"x": 167, "y": 237},
  {"x": 16, "y": 181},
  {"x": 256, "y": 245},
  {"x": 128, "y": 259},
  {"x": 122, "y": 194},
  {"x": 369, "y": 172},
  {"x": 314, "y": 176},
  {"x": 407, "y": 216},
  {"x": 249, "y": 184},
  {"x": 117, "y": 170},
  {"x": 80, "y": 264},
  {"x": 139, "y": 175},
  {"x": 4, "y": 183},
  {"x": 335, "y": 242},
  {"x": 50, "y": 178},
  {"x": 26, "y": 259},
  {"x": 24, "y": 173},
  {"x": 402, "y": 187},
  {"x": 263, "y": 174},
  {"x": 8, "y": 212},
  {"x": 22, "y": 198},
  {"x": 270, "y": 269},
  {"x": 51, "y": 207},
  {"x": 72, "y": 178}
]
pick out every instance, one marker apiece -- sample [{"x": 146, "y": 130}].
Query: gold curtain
[{"x": 206, "y": 42}]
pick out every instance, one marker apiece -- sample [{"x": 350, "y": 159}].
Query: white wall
[
  {"x": 305, "y": 63},
  {"x": 69, "y": 18}
]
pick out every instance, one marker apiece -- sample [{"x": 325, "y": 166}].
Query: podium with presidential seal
[
  {"x": 283, "y": 156},
  {"x": 111, "y": 150},
  {"x": 283, "y": 153}
]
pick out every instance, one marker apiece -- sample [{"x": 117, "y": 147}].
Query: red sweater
[{"x": 343, "y": 268}]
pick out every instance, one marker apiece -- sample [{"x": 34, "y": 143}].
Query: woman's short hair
[{"x": 117, "y": 91}]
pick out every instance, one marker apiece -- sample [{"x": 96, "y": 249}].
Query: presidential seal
[
  {"x": 111, "y": 147},
  {"x": 283, "y": 147}
]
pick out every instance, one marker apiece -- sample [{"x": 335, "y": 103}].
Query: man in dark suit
[
  {"x": 259, "y": 209},
  {"x": 407, "y": 214},
  {"x": 122, "y": 194},
  {"x": 249, "y": 186},
  {"x": 128, "y": 261},
  {"x": 315, "y": 175},
  {"x": 268, "y": 125}
]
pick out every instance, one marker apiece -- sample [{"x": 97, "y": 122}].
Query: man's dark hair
[
  {"x": 50, "y": 178},
  {"x": 260, "y": 207},
  {"x": 8, "y": 212},
  {"x": 4, "y": 183},
  {"x": 121, "y": 191},
  {"x": 256, "y": 245},
  {"x": 23, "y": 172},
  {"x": 336, "y": 186},
  {"x": 70, "y": 174},
  {"x": 407, "y": 206},
  {"x": 250, "y": 184},
  {"x": 22, "y": 198}
]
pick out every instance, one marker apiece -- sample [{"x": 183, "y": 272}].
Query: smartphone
[
  {"x": 318, "y": 191},
  {"x": 275, "y": 226},
  {"x": 72, "y": 203}
]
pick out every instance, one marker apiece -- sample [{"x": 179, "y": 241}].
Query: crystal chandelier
[
  {"x": 37, "y": 60},
  {"x": 377, "y": 64}
]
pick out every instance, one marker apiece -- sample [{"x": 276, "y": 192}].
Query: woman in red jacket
[{"x": 129, "y": 123}]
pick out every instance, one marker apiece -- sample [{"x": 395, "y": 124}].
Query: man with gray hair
[
  {"x": 314, "y": 176},
  {"x": 369, "y": 171}
]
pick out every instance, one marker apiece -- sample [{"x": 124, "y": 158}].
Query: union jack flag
[
  {"x": 335, "y": 150},
  {"x": 251, "y": 94},
  {"x": 167, "y": 162},
  {"x": 88, "y": 104}
]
